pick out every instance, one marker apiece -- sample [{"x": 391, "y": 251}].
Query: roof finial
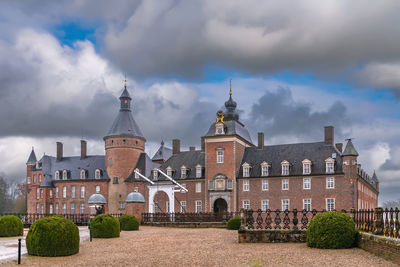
[
  {"x": 125, "y": 80},
  {"x": 230, "y": 87}
]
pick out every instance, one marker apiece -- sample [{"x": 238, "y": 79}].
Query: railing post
[{"x": 378, "y": 222}]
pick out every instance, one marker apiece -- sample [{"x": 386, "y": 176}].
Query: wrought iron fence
[
  {"x": 278, "y": 219},
  {"x": 188, "y": 217},
  {"x": 391, "y": 224},
  {"x": 79, "y": 219}
]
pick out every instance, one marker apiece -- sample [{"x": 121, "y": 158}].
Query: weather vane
[
  {"x": 125, "y": 80},
  {"x": 230, "y": 87}
]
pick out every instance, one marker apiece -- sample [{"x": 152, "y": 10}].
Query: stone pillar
[
  {"x": 135, "y": 209},
  {"x": 378, "y": 223}
]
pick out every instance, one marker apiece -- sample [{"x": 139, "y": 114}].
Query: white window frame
[
  {"x": 65, "y": 175},
  {"x": 72, "y": 208},
  {"x": 155, "y": 174},
  {"x": 264, "y": 169},
  {"x": 83, "y": 174},
  {"x": 137, "y": 175},
  {"x": 73, "y": 191},
  {"x": 264, "y": 185},
  {"x": 246, "y": 204},
  {"x": 328, "y": 205},
  {"x": 37, "y": 208},
  {"x": 37, "y": 193},
  {"x": 220, "y": 156},
  {"x": 285, "y": 167},
  {"x": 34, "y": 178},
  {"x": 330, "y": 165},
  {"x": 183, "y": 172},
  {"x": 41, "y": 208},
  {"x": 64, "y": 192},
  {"x": 51, "y": 193},
  {"x": 285, "y": 184},
  {"x": 183, "y": 206},
  {"x": 41, "y": 193},
  {"x": 98, "y": 188},
  {"x": 57, "y": 192},
  {"x": 304, "y": 204},
  {"x": 198, "y": 171},
  {"x": 83, "y": 191},
  {"x": 82, "y": 208},
  {"x": 64, "y": 208},
  {"x": 211, "y": 185},
  {"x": 97, "y": 174},
  {"x": 305, "y": 183},
  {"x": 284, "y": 204},
  {"x": 229, "y": 184},
  {"x": 57, "y": 175},
  {"x": 330, "y": 184},
  {"x": 28, "y": 180},
  {"x": 198, "y": 187},
  {"x": 264, "y": 204},
  {"x": 51, "y": 208},
  {"x": 198, "y": 206},
  {"x": 40, "y": 178},
  {"x": 246, "y": 185},
  {"x": 167, "y": 207},
  {"x": 169, "y": 171},
  {"x": 246, "y": 169},
  {"x": 57, "y": 209}
]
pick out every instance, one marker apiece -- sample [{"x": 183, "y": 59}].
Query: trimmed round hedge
[
  {"x": 53, "y": 236},
  {"x": 11, "y": 225},
  {"x": 233, "y": 223},
  {"x": 331, "y": 230},
  {"x": 105, "y": 226},
  {"x": 129, "y": 222}
]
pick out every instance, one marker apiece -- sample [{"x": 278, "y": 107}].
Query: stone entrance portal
[{"x": 220, "y": 206}]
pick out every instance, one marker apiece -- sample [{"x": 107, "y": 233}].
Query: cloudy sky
[{"x": 295, "y": 67}]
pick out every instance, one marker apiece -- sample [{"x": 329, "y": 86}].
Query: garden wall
[
  {"x": 187, "y": 224},
  {"x": 271, "y": 236},
  {"x": 382, "y": 246}
]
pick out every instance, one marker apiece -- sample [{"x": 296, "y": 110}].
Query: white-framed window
[
  {"x": 285, "y": 204},
  {"x": 198, "y": 206},
  {"x": 285, "y": 167},
  {"x": 306, "y": 166},
  {"x": 64, "y": 208},
  {"x": 264, "y": 204},
  {"x": 264, "y": 185},
  {"x": 51, "y": 208},
  {"x": 121, "y": 205},
  {"x": 198, "y": 187},
  {"x": 72, "y": 208},
  {"x": 307, "y": 204},
  {"x": 41, "y": 193},
  {"x": 82, "y": 208},
  {"x": 64, "y": 192},
  {"x": 264, "y": 169},
  {"x": 330, "y": 204},
  {"x": 211, "y": 185},
  {"x": 97, "y": 174},
  {"x": 34, "y": 179},
  {"x": 56, "y": 208},
  {"x": 198, "y": 171},
  {"x": 57, "y": 192},
  {"x": 246, "y": 204},
  {"x": 73, "y": 191},
  {"x": 245, "y": 185},
  {"x": 51, "y": 193},
  {"x": 97, "y": 188},
  {"x": 169, "y": 171},
  {"x": 183, "y": 206},
  {"x": 220, "y": 156},
  {"x": 83, "y": 189},
  {"x": 229, "y": 184},
  {"x": 330, "y": 182},
  {"x": 29, "y": 180},
  {"x": 65, "y": 174},
  {"x": 37, "y": 193},
  {"x": 83, "y": 174},
  {"x": 137, "y": 175},
  {"x": 246, "y": 170},
  {"x": 285, "y": 184},
  {"x": 40, "y": 178},
  {"x": 155, "y": 174},
  {"x": 330, "y": 165},
  {"x": 57, "y": 175},
  {"x": 183, "y": 172},
  {"x": 41, "y": 208},
  {"x": 37, "y": 208},
  {"x": 307, "y": 183}
]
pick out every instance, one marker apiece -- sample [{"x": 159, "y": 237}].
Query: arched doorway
[{"x": 220, "y": 206}]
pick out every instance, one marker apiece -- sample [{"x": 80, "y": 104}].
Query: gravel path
[{"x": 158, "y": 246}]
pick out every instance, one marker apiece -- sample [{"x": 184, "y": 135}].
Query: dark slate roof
[
  {"x": 189, "y": 159},
  {"x": 124, "y": 124},
  {"x": 232, "y": 127},
  {"x": 375, "y": 178},
  {"x": 317, "y": 153},
  {"x": 163, "y": 153},
  {"x": 144, "y": 163},
  {"x": 74, "y": 165},
  {"x": 350, "y": 149},
  {"x": 125, "y": 94},
  {"x": 32, "y": 158}
]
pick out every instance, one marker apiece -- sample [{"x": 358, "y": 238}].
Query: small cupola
[
  {"x": 32, "y": 158},
  {"x": 125, "y": 99}
]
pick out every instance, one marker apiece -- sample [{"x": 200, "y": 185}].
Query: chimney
[
  {"x": 59, "y": 151},
  {"x": 328, "y": 135},
  {"x": 260, "y": 140},
  {"x": 203, "y": 145},
  {"x": 339, "y": 146},
  {"x": 192, "y": 148},
  {"x": 176, "y": 146},
  {"x": 83, "y": 149}
]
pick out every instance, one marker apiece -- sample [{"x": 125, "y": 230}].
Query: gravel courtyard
[{"x": 157, "y": 246}]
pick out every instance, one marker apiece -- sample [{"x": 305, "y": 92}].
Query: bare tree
[{"x": 391, "y": 204}]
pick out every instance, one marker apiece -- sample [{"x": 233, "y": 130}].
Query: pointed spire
[
  {"x": 375, "y": 178},
  {"x": 350, "y": 149},
  {"x": 32, "y": 158},
  {"x": 230, "y": 88},
  {"x": 162, "y": 142}
]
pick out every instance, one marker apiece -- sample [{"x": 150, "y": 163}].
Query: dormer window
[
  {"x": 246, "y": 169},
  {"x": 97, "y": 174},
  {"x": 136, "y": 175},
  {"x": 169, "y": 171},
  {"x": 83, "y": 174},
  {"x": 285, "y": 167},
  {"x": 183, "y": 172},
  {"x": 57, "y": 175},
  {"x": 198, "y": 171},
  {"x": 306, "y": 166},
  {"x": 65, "y": 174},
  {"x": 330, "y": 165},
  {"x": 155, "y": 174},
  {"x": 264, "y": 169}
]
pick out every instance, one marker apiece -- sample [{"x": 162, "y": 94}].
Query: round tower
[{"x": 123, "y": 144}]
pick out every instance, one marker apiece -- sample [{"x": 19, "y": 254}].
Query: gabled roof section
[
  {"x": 189, "y": 159},
  {"x": 163, "y": 153},
  {"x": 232, "y": 127},
  {"x": 32, "y": 158},
  {"x": 317, "y": 153},
  {"x": 350, "y": 149},
  {"x": 145, "y": 166}
]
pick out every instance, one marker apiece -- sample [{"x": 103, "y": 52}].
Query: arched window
[
  {"x": 169, "y": 171},
  {"x": 57, "y": 175},
  {"x": 83, "y": 174},
  {"x": 330, "y": 165},
  {"x": 246, "y": 169},
  {"x": 285, "y": 167},
  {"x": 65, "y": 174},
  {"x": 306, "y": 166},
  {"x": 97, "y": 174},
  {"x": 183, "y": 172},
  {"x": 264, "y": 169}
]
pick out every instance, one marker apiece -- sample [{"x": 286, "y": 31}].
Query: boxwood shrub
[
  {"x": 11, "y": 225},
  {"x": 331, "y": 230},
  {"x": 53, "y": 236},
  {"x": 129, "y": 222},
  {"x": 105, "y": 226},
  {"x": 233, "y": 223}
]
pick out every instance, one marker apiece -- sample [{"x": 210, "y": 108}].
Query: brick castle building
[{"x": 228, "y": 173}]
